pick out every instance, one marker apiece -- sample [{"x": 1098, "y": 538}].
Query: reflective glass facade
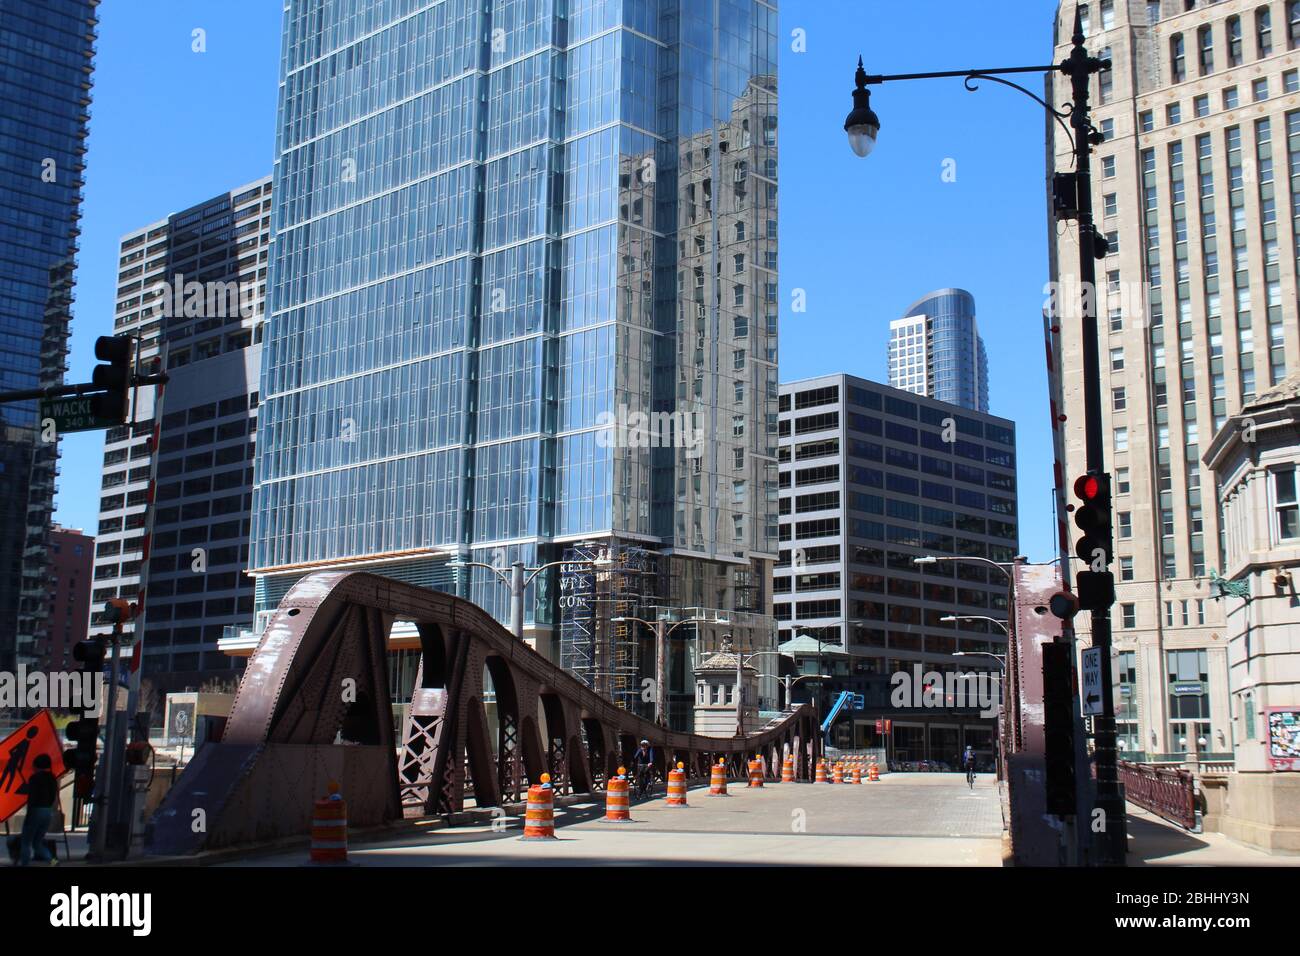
[
  {"x": 499, "y": 228},
  {"x": 45, "y": 66},
  {"x": 936, "y": 350}
]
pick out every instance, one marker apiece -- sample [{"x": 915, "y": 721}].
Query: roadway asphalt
[{"x": 924, "y": 819}]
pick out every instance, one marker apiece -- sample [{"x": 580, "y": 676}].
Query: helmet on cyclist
[{"x": 645, "y": 743}]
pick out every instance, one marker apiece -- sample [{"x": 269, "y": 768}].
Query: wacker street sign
[{"x": 73, "y": 414}]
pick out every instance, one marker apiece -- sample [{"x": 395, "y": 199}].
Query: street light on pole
[
  {"x": 1072, "y": 200},
  {"x": 661, "y": 653},
  {"x": 953, "y": 618},
  {"x": 519, "y": 579}
]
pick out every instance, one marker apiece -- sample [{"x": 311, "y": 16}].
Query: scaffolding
[{"x": 602, "y": 652}]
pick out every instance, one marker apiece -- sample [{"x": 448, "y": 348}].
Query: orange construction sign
[{"x": 17, "y": 752}]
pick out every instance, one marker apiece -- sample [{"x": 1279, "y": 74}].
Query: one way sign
[{"x": 1091, "y": 689}]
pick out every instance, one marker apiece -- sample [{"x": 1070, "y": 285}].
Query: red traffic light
[{"x": 1087, "y": 487}]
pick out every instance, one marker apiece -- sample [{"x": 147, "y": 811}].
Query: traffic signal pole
[
  {"x": 100, "y": 812},
  {"x": 1112, "y": 841}
]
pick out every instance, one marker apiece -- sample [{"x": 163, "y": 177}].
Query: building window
[
  {"x": 1108, "y": 167},
  {"x": 1153, "y": 11},
  {"x": 1108, "y": 14},
  {"x": 1121, "y": 439},
  {"x": 1291, "y": 81},
  {"x": 1125, "y": 524},
  {"x": 1146, "y": 121},
  {"x": 1201, "y": 105},
  {"x": 1284, "y": 503},
  {"x": 1117, "y": 359},
  {"x": 1128, "y": 615},
  {"x": 1177, "y": 59},
  {"x": 1119, "y": 401},
  {"x": 1110, "y": 204},
  {"x": 1230, "y": 99},
  {"x": 1293, "y": 24},
  {"x": 1263, "y": 33},
  {"x": 1126, "y": 569},
  {"x": 1121, "y": 481},
  {"x": 1205, "y": 50}
]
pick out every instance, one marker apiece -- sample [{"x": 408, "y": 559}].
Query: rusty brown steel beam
[{"x": 320, "y": 666}]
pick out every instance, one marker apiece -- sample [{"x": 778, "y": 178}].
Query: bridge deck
[{"x": 904, "y": 819}]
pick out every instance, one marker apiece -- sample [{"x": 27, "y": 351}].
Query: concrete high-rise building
[
  {"x": 72, "y": 555},
  {"x": 523, "y": 297},
  {"x": 46, "y": 47},
  {"x": 1194, "y": 185},
  {"x": 871, "y": 478},
  {"x": 194, "y": 282},
  {"x": 936, "y": 350}
]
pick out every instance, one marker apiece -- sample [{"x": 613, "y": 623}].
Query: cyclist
[
  {"x": 643, "y": 764},
  {"x": 968, "y": 761}
]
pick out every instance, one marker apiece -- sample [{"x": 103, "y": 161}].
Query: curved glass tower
[{"x": 936, "y": 350}]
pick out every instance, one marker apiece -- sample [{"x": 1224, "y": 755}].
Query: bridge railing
[{"x": 1168, "y": 792}]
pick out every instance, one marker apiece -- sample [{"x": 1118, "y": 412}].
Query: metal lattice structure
[
  {"x": 599, "y": 650},
  {"x": 320, "y": 671}
]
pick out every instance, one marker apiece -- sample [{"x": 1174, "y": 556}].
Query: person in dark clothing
[
  {"x": 42, "y": 795},
  {"x": 643, "y": 762}
]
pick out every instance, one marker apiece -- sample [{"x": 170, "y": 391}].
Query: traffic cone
[
  {"x": 787, "y": 769},
  {"x": 857, "y": 776},
  {"x": 617, "y": 807},
  {"x": 718, "y": 780},
  {"x": 821, "y": 772},
  {"x": 539, "y": 818},
  {"x": 329, "y": 828},
  {"x": 756, "y": 773},
  {"x": 677, "y": 787},
  {"x": 874, "y": 773},
  {"x": 838, "y": 776}
]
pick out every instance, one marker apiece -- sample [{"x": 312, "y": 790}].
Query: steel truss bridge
[{"x": 320, "y": 672}]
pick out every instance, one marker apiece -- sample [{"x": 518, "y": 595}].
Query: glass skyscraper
[
  {"x": 936, "y": 350},
  {"x": 522, "y": 293},
  {"x": 46, "y": 50}
]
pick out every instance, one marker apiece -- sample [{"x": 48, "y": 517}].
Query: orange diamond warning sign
[{"x": 17, "y": 753}]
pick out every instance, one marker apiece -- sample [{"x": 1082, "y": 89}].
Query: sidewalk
[{"x": 1153, "y": 841}]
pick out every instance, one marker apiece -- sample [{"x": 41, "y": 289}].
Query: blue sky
[{"x": 863, "y": 238}]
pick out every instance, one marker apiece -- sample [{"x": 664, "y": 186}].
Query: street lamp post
[
  {"x": 975, "y": 617},
  {"x": 519, "y": 579},
  {"x": 1073, "y": 198},
  {"x": 662, "y": 630}
]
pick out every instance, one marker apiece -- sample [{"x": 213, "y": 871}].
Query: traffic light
[
  {"x": 1064, "y": 605},
  {"x": 1096, "y": 590},
  {"x": 114, "y": 378},
  {"x": 84, "y": 731},
  {"x": 1058, "y": 728},
  {"x": 118, "y": 611},
  {"x": 1092, "y": 515}
]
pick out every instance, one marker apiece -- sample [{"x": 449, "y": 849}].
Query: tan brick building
[{"x": 1197, "y": 186}]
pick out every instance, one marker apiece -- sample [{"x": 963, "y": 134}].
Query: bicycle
[
  {"x": 644, "y": 782},
  {"x": 970, "y": 776}
]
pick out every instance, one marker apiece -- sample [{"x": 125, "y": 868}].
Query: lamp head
[{"x": 862, "y": 124}]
